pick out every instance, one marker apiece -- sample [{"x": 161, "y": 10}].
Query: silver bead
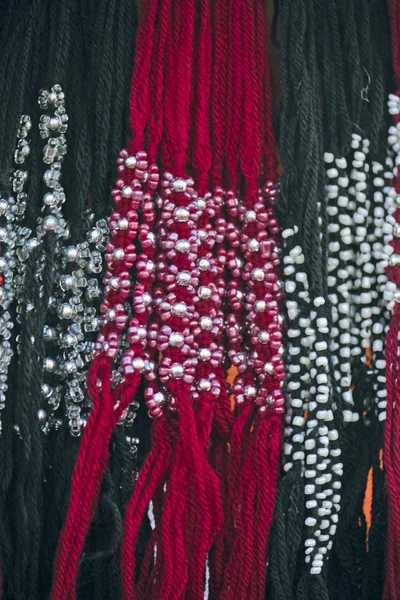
[
  {"x": 206, "y": 323},
  {"x": 176, "y": 339},
  {"x": 179, "y": 185},
  {"x": 204, "y": 354},
  {"x": 47, "y": 390},
  {"x": 258, "y": 274},
  {"x": 183, "y": 278},
  {"x": 49, "y": 364},
  {"x": 48, "y": 199},
  {"x": 260, "y": 306},
  {"x": 66, "y": 311},
  {"x": 204, "y": 385},
  {"x": 71, "y": 253},
  {"x": 138, "y": 364},
  {"x": 130, "y": 162},
  {"x": 205, "y": 292},
  {"x": 181, "y": 214},
  {"x": 32, "y": 244},
  {"x": 49, "y": 333},
  {"x": 126, "y": 191},
  {"x": 263, "y": 337},
  {"x": 118, "y": 254},
  {"x": 42, "y": 415},
  {"x": 123, "y": 224},
  {"x": 67, "y": 282},
  {"x": 179, "y": 309},
  {"x": 3, "y": 206},
  {"x": 146, "y": 298},
  {"x": 204, "y": 264},
  {"x": 268, "y": 368},
  {"x": 250, "y": 216},
  {"x": 182, "y": 246},
  {"x": 250, "y": 391},
  {"x": 253, "y": 245},
  {"x": 176, "y": 371}
]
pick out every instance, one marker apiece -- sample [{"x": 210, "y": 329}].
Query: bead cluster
[
  {"x": 73, "y": 322},
  {"x": 391, "y": 228},
  {"x": 311, "y": 434},
  {"x": 263, "y": 336},
  {"x": 13, "y": 239}
]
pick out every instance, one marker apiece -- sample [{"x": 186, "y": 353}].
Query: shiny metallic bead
[
  {"x": 130, "y": 162},
  {"x": 47, "y": 390},
  {"x": 204, "y": 264},
  {"x": 118, "y": 254},
  {"x": 3, "y": 234},
  {"x": 138, "y": 364},
  {"x": 179, "y": 309},
  {"x": 250, "y": 216},
  {"x": 263, "y": 337},
  {"x": 126, "y": 191},
  {"x": 49, "y": 364},
  {"x": 253, "y": 245},
  {"x": 204, "y": 354},
  {"x": 93, "y": 236},
  {"x": 396, "y": 230},
  {"x": 206, "y": 323},
  {"x": 49, "y": 333},
  {"x": 71, "y": 253},
  {"x": 394, "y": 260},
  {"x": 3, "y": 206},
  {"x": 258, "y": 274},
  {"x": 181, "y": 214},
  {"x": 268, "y": 368},
  {"x": 67, "y": 282},
  {"x": 176, "y": 339},
  {"x": 50, "y": 223},
  {"x": 179, "y": 185},
  {"x": 32, "y": 244},
  {"x": 70, "y": 366},
  {"x": 114, "y": 283},
  {"x": 42, "y": 415},
  {"x": 183, "y": 278},
  {"x": 146, "y": 298},
  {"x": 123, "y": 224},
  {"x": 66, "y": 311},
  {"x": 260, "y": 306},
  {"x": 176, "y": 371},
  {"x": 182, "y": 246},
  {"x": 250, "y": 391},
  {"x": 204, "y": 385},
  {"x": 205, "y": 292}
]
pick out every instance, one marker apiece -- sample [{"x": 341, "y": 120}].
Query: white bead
[
  {"x": 298, "y": 455},
  {"x": 310, "y": 543},
  {"x": 315, "y": 570},
  {"x": 328, "y": 157},
  {"x": 309, "y": 489},
  {"x": 298, "y": 421},
  {"x": 310, "y": 522},
  {"x": 309, "y": 444},
  {"x": 347, "y": 416}
]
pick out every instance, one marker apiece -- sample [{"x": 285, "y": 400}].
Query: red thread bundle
[{"x": 203, "y": 241}]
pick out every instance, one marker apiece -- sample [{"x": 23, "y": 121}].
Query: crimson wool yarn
[{"x": 207, "y": 276}]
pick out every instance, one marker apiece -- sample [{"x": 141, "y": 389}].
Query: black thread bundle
[
  {"x": 87, "y": 48},
  {"x": 335, "y": 74}
]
